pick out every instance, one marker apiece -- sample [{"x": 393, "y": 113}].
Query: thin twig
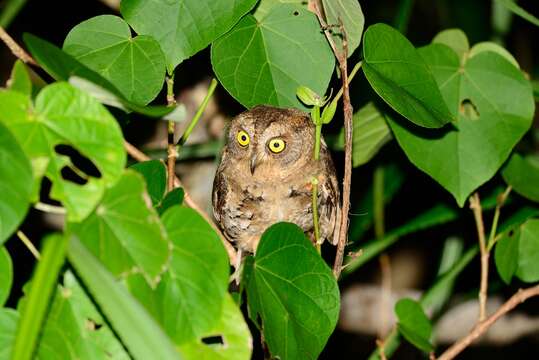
[
  {"x": 26, "y": 241},
  {"x": 499, "y": 203},
  {"x": 518, "y": 298},
  {"x": 140, "y": 156},
  {"x": 171, "y": 149},
  {"x": 381, "y": 349},
  {"x": 475, "y": 205},
  {"x": 15, "y": 48},
  {"x": 52, "y": 209}
]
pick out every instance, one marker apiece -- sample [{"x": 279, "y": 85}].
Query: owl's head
[{"x": 269, "y": 138}]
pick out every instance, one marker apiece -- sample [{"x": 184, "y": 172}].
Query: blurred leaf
[
  {"x": 237, "y": 342},
  {"x": 292, "y": 294},
  {"x": 135, "y": 66},
  {"x": 501, "y": 18},
  {"x": 138, "y": 331},
  {"x": 174, "y": 197},
  {"x": 495, "y": 48},
  {"x": 494, "y": 106},
  {"x": 62, "y": 67},
  {"x": 6, "y": 275},
  {"x": 16, "y": 180},
  {"x": 370, "y": 133},
  {"x": 506, "y": 254},
  {"x": 63, "y": 115},
  {"x": 125, "y": 233},
  {"x": 413, "y": 324},
  {"x": 10, "y": 10},
  {"x": 284, "y": 50},
  {"x": 41, "y": 289},
  {"x": 74, "y": 328},
  {"x": 523, "y": 175},
  {"x": 456, "y": 39},
  {"x": 183, "y": 28},
  {"x": 155, "y": 175},
  {"x": 188, "y": 300},
  {"x": 528, "y": 252},
  {"x": 349, "y": 12},
  {"x": 9, "y": 319},
  {"x": 400, "y": 76},
  {"x": 519, "y": 11},
  {"x": 20, "y": 79},
  {"x": 402, "y": 18}
]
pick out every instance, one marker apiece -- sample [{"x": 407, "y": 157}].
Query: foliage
[{"x": 135, "y": 274}]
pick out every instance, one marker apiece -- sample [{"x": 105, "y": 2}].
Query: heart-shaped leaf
[
  {"x": 263, "y": 7},
  {"x": 494, "y": 105},
  {"x": 136, "y": 66},
  {"x": 125, "y": 233},
  {"x": 456, "y": 39},
  {"x": 349, "y": 12},
  {"x": 6, "y": 275},
  {"x": 183, "y": 27},
  {"x": 61, "y": 117},
  {"x": 236, "y": 341},
  {"x": 523, "y": 175},
  {"x": 264, "y": 62},
  {"x": 413, "y": 324},
  {"x": 292, "y": 294},
  {"x": 189, "y": 299},
  {"x": 155, "y": 175},
  {"x": 16, "y": 180},
  {"x": 506, "y": 254},
  {"x": 174, "y": 197},
  {"x": 401, "y": 77},
  {"x": 528, "y": 252}
]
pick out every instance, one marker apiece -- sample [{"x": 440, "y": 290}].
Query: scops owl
[{"x": 265, "y": 177}]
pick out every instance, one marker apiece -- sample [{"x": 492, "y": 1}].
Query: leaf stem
[
  {"x": 28, "y": 243},
  {"x": 317, "y": 139},
  {"x": 198, "y": 114},
  {"x": 52, "y": 209},
  {"x": 475, "y": 205},
  {"x": 500, "y": 201},
  {"x": 171, "y": 149},
  {"x": 350, "y": 78}
]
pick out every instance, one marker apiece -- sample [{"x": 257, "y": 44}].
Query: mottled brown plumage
[{"x": 255, "y": 187}]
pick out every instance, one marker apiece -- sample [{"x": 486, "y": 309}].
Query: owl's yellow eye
[
  {"x": 243, "y": 138},
  {"x": 276, "y": 145}
]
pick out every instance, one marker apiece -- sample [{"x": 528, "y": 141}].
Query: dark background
[{"x": 52, "y": 20}]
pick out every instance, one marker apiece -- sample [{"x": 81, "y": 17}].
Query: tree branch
[
  {"x": 140, "y": 156},
  {"x": 15, "y": 48},
  {"x": 475, "y": 205},
  {"x": 518, "y": 298}
]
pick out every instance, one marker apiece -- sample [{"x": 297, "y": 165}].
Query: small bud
[
  {"x": 329, "y": 112},
  {"x": 307, "y": 96}
]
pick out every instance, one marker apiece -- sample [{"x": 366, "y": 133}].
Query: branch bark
[
  {"x": 15, "y": 48},
  {"x": 518, "y": 298}
]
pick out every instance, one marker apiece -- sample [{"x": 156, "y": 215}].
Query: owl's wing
[
  {"x": 220, "y": 188},
  {"x": 329, "y": 200}
]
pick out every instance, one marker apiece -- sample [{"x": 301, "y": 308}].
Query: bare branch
[
  {"x": 518, "y": 298},
  {"x": 15, "y": 48},
  {"x": 475, "y": 205}
]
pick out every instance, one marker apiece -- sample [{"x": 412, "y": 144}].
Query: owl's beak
[{"x": 255, "y": 160}]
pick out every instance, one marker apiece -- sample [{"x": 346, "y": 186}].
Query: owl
[{"x": 265, "y": 177}]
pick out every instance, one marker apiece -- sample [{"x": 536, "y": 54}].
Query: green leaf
[
  {"x": 138, "y": 331},
  {"x": 63, "y": 67},
  {"x": 456, "y": 39},
  {"x": 63, "y": 115},
  {"x": 495, "y": 48},
  {"x": 20, "y": 79},
  {"x": 41, "y": 289},
  {"x": 528, "y": 252},
  {"x": 174, "y": 197},
  {"x": 9, "y": 319},
  {"x": 181, "y": 27},
  {"x": 264, "y": 62},
  {"x": 263, "y": 7},
  {"x": 349, "y": 12},
  {"x": 400, "y": 76},
  {"x": 370, "y": 133},
  {"x": 136, "y": 66},
  {"x": 523, "y": 175},
  {"x": 506, "y": 254},
  {"x": 74, "y": 328},
  {"x": 234, "y": 332},
  {"x": 16, "y": 179},
  {"x": 155, "y": 175},
  {"x": 6, "y": 275},
  {"x": 125, "y": 233},
  {"x": 494, "y": 105},
  {"x": 188, "y": 301},
  {"x": 413, "y": 324},
  {"x": 519, "y": 11},
  {"x": 294, "y": 293}
]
